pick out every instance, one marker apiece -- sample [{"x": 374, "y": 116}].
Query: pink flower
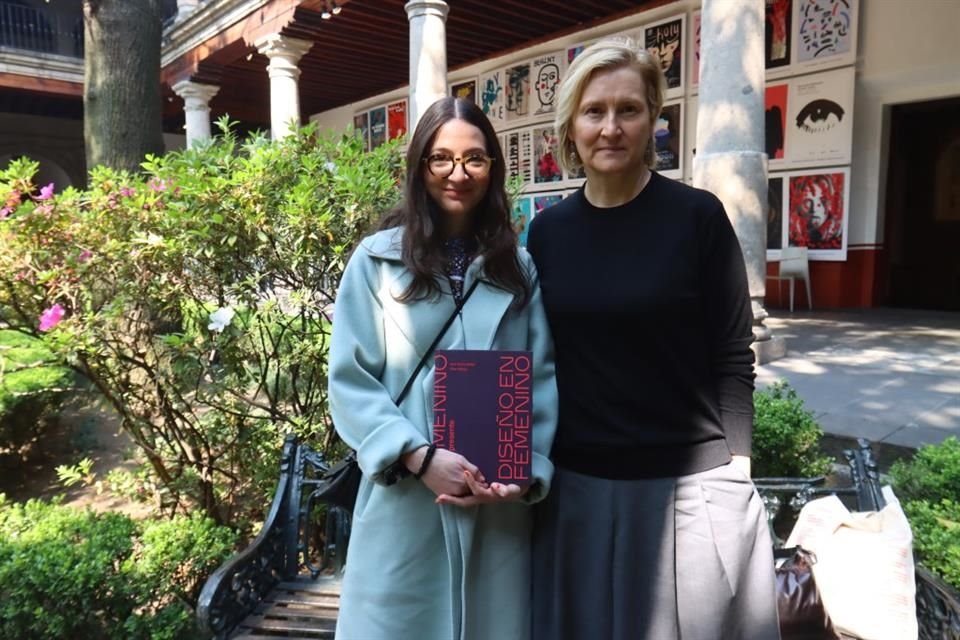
[
  {"x": 127, "y": 192},
  {"x": 51, "y": 317},
  {"x": 6, "y": 211},
  {"x": 85, "y": 255},
  {"x": 157, "y": 185},
  {"x": 46, "y": 192}
]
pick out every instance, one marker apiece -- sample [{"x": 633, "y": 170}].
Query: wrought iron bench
[{"x": 282, "y": 585}]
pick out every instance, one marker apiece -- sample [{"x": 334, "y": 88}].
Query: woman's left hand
[{"x": 483, "y": 493}]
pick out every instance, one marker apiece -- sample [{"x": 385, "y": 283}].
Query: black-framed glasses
[{"x": 475, "y": 165}]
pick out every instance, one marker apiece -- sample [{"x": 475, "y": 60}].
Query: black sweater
[{"x": 650, "y": 311}]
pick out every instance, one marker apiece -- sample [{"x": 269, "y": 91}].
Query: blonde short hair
[{"x": 606, "y": 55}]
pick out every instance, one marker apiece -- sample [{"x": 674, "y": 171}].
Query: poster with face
[
  {"x": 378, "y": 127},
  {"x": 520, "y": 218},
  {"x": 518, "y": 91},
  {"x": 545, "y": 165},
  {"x": 361, "y": 124},
  {"x": 695, "y": 60},
  {"x": 665, "y": 42},
  {"x": 824, "y": 32},
  {"x": 777, "y": 33},
  {"x": 668, "y": 140},
  {"x": 774, "y": 214},
  {"x": 775, "y": 124},
  {"x": 820, "y": 119},
  {"x": 466, "y": 90},
  {"x": 545, "y": 201},
  {"x": 517, "y": 154},
  {"x": 492, "y": 96},
  {"x": 396, "y": 119},
  {"x": 817, "y": 205},
  {"x": 546, "y": 77}
]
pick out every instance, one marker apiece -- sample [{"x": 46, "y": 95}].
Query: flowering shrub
[{"x": 197, "y": 298}]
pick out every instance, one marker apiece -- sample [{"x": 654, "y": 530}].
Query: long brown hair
[{"x": 420, "y": 216}]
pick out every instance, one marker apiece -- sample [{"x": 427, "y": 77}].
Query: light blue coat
[{"x": 416, "y": 569}]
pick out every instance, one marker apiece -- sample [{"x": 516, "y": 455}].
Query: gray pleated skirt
[{"x": 654, "y": 559}]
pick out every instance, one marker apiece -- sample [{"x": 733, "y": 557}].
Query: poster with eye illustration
[
  {"x": 518, "y": 91},
  {"x": 492, "y": 96},
  {"x": 817, "y": 206},
  {"x": 668, "y": 139},
  {"x": 545, "y": 149},
  {"x": 824, "y": 33},
  {"x": 665, "y": 41},
  {"x": 520, "y": 218},
  {"x": 775, "y": 122},
  {"x": 820, "y": 119},
  {"x": 546, "y": 77}
]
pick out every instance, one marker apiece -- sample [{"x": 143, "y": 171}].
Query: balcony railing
[{"x": 40, "y": 30}]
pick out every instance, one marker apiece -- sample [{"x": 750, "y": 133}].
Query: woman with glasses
[
  {"x": 652, "y": 529},
  {"x": 436, "y": 552}
]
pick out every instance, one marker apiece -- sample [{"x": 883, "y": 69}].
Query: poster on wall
[
  {"x": 545, "y": 201},
  {"x": 520, "y": 218},
  {"x": 545, "y": 149},
  {"x": 546, "y": 76},
  {"x": 517, "y": 153},
  {"x": 695, "y": 57},
  {"x": 361, "y": 124},
  {"x": 466, "y": 90},
  {"x": 378, "y": 127},
  {"x": 690, "y": 136},
  {"x": 775, "y": 123},
  {"x": 665, "y": 41},
  {"x": 820, "y": 119},
  {"x": 824, "y": 33},
  {"x": 774, "y": 216},
  {"x": 518, "y": 91},
  {"x": 777, "y": 33},
  {"x": 396, "y": 119},
  {"x": 492, "y": 96},
  {"x": 574, "y": 51},
  {"x": 817, "y": 204},
  {"x": 668, "y": 139}
]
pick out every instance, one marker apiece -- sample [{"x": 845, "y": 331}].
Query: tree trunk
[{"x": 121, "y": 84}]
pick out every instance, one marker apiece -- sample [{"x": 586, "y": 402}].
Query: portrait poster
[
  {"x": 492, "y": 96},
  {"x": 775, "y": 123},
  {"x": 546, "y": 77},
  {"x": 668, "y": 140},
  {"x": 774, "y": 215},
  {"x": 517, "y": 154},
  {"x": 520, "y": 218},
  {"x": 824, "y": 33},
  {"x": 817, "y": 205},
  {"x": 466, "y": 90},
  {"x": 518, "y": 91},
  {"x": 378, "y": 127},
  {"x": 396, "y": 119},
  {"x": 545, "y": 149},
  {"x": 695, "y": 58},
  {"x": 361, "y": 125},
  {"x": 545, "y": 201},
  {"x": 665, "y": 42},
  {"x": 820, "y": 119},
  {"x": 777, "y": 33}
]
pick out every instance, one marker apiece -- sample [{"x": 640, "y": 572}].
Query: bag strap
[{"x": 436, "y": 341}]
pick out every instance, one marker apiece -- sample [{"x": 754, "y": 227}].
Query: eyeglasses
[{"x": 475, "y": 165}]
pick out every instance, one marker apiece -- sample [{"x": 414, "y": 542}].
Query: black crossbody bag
[{"x": 341, "y": 483}]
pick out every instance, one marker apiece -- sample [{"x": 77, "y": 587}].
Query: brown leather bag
[{"x": 802, "y": 614}]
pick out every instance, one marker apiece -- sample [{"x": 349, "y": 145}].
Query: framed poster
[
  {"x": 695, "y": 48},
  {"x": 517, "y": 154},
  {"x": 520, "y": 218},
  {"x": 777, "y": 33},
  {"x": 545, "y": 149},
  {"x": 819, "y": 123},
  {"x": 775, "y": 190},
  {"x": 396, "y": 119},
  {"x": 546, "y": 77},
  {"x": 378, "y": 127},
  {"x": 545, "y": 201},
  {"x": 492, "y": 96},
  {"x": 574, "y": 51},
  {"x": 466, "y": 90},
  {"x": 775, "y": 123},
  {"x": 824, "y": 34},
  {"x": 361, "y": 125},
  {"x": 817, "y": 212},
  {"x": 518, "y": 91},
  {"x": 668, "y": 139},
  {"x": 665, "y": 41}
]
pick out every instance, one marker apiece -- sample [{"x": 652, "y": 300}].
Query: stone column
[
  {"x": 428, "y": 55},
  {"x": 196, "y": 108},
  {"x": 284, "y": 54},
  {"x": 730, "y": 159},
  {"x": 185, "y": 8}
]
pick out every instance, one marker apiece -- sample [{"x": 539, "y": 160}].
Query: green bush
[
  {"x": 932, "y": 474},
  {"x": 936, "y": 536},
  {"x": 786, "y": 438},
  {"x": 69, "y": 573}
]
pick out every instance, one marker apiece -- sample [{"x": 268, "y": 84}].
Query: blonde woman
[{"x": 653, "y": 528}]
